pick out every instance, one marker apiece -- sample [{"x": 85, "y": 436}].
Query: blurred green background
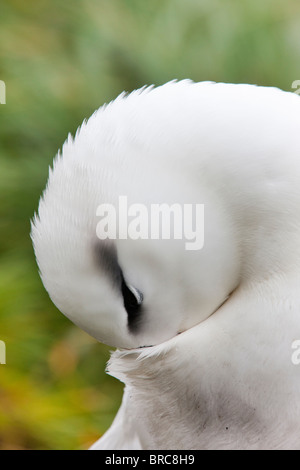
[{"x": 60, "y": 61}]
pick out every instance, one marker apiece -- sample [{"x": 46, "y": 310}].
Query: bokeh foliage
[{"x": 60, "y": 61}]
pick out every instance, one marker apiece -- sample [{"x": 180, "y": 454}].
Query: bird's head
[{"x": 132, "y": 291}]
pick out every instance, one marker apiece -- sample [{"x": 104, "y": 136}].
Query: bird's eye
[{"x": 132, "y": 299}]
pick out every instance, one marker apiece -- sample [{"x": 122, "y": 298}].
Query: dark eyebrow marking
[
  {"x": 132, "y": 305},
  {"x": 107, "y": 258}
]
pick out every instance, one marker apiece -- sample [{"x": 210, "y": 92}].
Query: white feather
[{"x": 227, "y": 380}]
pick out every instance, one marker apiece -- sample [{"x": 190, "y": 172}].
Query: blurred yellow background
[{"x": 60, "y": 61}]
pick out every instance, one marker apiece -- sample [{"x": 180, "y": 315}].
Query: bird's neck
[{"x": 227, "y": 383}]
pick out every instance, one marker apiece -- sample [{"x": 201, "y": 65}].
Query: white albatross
[{"x": 204, "y": 337}]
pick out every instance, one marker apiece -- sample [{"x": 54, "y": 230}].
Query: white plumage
[{"x": 227, "y": 380}]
